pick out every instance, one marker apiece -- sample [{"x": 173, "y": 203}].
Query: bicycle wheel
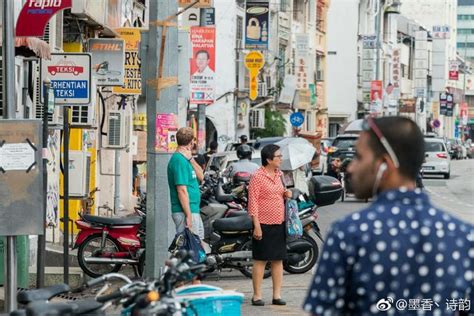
[{"x": 91, "y": 247}]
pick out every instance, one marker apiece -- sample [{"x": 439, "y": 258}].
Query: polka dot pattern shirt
[
  {"x": 266, "y": 197},
  {"x": 399, "y": 250}
]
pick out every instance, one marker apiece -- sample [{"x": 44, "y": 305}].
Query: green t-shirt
[{"x": 181, "y": 172}]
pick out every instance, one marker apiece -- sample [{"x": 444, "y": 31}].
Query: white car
[{"x": 437, "y": 157}]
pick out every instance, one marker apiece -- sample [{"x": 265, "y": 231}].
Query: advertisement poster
[
  {"x": 203, "y": 65},
  {"x": 133, "y": 77},
  {"x": 108, "y": 60},
  {"x": 256, "y": 25},
  {"x": 442, "y": 103},
  {"x": 166, "y": 128},
  {"x": 376, "y": 90}
]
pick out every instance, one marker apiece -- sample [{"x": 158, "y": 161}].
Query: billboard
[
  {"x": 256, "y": 25},
  {"x": 203, "y": 65},
  {"x": 108, "y": 59},
  {"x": 133, "y": 76}
]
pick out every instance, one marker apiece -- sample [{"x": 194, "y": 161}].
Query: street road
[{"x": 455, "y": 196}]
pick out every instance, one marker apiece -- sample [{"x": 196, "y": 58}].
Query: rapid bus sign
[{"x": 70, "y": 76}]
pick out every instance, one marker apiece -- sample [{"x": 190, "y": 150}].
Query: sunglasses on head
[{"x": 369, "y": 125}]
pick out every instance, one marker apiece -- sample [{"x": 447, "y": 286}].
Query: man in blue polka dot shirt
[{"x": 401, "y": 255}]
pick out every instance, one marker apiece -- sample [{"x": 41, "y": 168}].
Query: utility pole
[{"x": 162, "y": 97}]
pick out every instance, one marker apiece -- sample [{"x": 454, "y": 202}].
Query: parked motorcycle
[
  {"x": 230, "y": 239},
  {"x": 105, "y": 244}
]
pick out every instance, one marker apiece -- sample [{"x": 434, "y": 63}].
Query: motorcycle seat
[
  {"x": 43, "y": 294},
  {"x": 236, "y": 213},
  {"x": 113, "y": 221},
  {"x": 240, "y": 223}
]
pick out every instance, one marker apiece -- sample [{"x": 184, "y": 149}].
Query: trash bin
[{"x": 22, "y": 260}]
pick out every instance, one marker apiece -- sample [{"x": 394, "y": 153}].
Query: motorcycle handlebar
[{"x": 109, "y": 297}]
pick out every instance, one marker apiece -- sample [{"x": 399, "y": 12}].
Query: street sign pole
[
  {"x": 8, "y": 63},
  {"x": 201, "y": 128},
  {"x": 40, "y": 263},
  {"x": 163, "y": 30},
  {"x": 66, "y": 193}
]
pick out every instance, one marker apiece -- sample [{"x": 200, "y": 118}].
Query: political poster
[
  {"x": 108, "y": 60},
  {"x": 203, "y": 65},
  {"x": 256, "y": 24},
  {"x": 133, "y": 77}
]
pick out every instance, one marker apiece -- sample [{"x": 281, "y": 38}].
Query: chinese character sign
[
  {"x": 203, "y": 65},
  {"x": 441, "y": 32},
  {"x": 302, "y": 61},
  {"x": 396, "y": 72}
]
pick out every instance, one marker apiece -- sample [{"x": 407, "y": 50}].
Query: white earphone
[{"x": 383, "y": 167}]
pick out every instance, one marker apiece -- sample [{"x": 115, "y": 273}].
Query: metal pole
[
  {"x": 10, "y": 274},
  {"x": 202, "y": 128},
  {"x": 117, "y": 183},
  {"x": 40, "y": 263},
  {"x": 377, "y": 43},
  {"x": 8, "y": 61},
  {"x": 464, "y": 86},
  {"x": 66, "y": 194},
  {"x": 160, "y": 228},
  {"x": 8, "y": 64}
]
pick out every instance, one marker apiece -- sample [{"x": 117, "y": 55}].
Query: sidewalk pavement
[{"x": 293, "y": 292}]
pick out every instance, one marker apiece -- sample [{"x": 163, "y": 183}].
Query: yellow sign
[
  {"x": 133, "y": 76},
  {"x": 254, "y": 61},
  {"x": 200, "y": 4}
]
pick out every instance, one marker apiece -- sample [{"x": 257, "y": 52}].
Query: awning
[{"x": 30, "y": 46}]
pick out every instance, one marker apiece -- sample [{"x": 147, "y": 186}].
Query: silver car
[{"x": 437, "y": 157}]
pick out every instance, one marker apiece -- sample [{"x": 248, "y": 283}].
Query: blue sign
[
  {"x": 296, "y": 119},
  {"x": 70, "y": 77},
  {"x": 256, "y": 24}
]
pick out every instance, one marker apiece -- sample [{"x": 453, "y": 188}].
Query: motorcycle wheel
[
  {"x": 247, "y": 270},
  {"x": 308, "y": 261},
  {"x": 91, "y": 247}
]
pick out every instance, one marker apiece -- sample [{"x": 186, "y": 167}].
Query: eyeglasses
[
  {"x": 278, "y": 156},
  {"x": 369, "y": 125}
]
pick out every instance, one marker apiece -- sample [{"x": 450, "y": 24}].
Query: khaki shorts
[{"x": 180, "y": 222}]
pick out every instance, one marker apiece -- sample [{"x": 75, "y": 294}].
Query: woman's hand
[
  {"x": 257, "y": 232},
  {"x": 288, "y": 194}
]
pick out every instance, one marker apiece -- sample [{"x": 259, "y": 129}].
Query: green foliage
[{"x": 275, "y": 125}]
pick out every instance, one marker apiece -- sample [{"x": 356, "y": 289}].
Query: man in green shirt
[{"x": 184, "y": 175}]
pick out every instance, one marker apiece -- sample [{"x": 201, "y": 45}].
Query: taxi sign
[
  {"x": 254, "y": 61},
  {"x": 70, "y": 76}
]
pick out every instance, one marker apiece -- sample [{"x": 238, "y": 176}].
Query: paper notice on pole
[{"x": 20, "y": 156}]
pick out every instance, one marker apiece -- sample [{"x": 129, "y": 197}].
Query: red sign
[
  {"x": 203, "y": 65},
  {"x": 453, "y": 75},
  {"x": 35, "y": 15},
  {"x": 376, "y": 90}
]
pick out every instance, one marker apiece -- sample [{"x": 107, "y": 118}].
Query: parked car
[
  {"x": 255, "y": 143},
  {"x": 342, "y": 147},
  {"x": 323, "y": 156},
  {"x": 437, "y": 158}
]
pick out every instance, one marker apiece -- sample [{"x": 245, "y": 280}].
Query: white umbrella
[
  {"x": 296, "y": 152},
  {"x": 354, "y": 127}
]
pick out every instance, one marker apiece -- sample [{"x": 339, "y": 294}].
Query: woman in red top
[{"x": 267, "y": 209}]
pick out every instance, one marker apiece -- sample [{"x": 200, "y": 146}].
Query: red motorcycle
[{"x": 105, "y": 244}]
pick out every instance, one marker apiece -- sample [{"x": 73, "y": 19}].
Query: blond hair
[{"x": 184, "y": 136}]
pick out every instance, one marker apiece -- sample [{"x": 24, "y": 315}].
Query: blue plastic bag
[
  {"x": 188, "y": 241},
  {"x": 294, "y": 228}
]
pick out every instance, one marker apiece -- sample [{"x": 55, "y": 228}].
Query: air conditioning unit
[
  {"x": 79, "y": 173},
  {"x": 118, "y": 131},
  {"x": 92, "y": 10},
  {"x": 84, "y": 116},
  {"x": 257, "y": 118},
  {"x": 53, "y": 32},
  {"x": 55, "y": 119},
  {"x": 262, "y": 89},
  {"x": 319, "y": 75}
]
